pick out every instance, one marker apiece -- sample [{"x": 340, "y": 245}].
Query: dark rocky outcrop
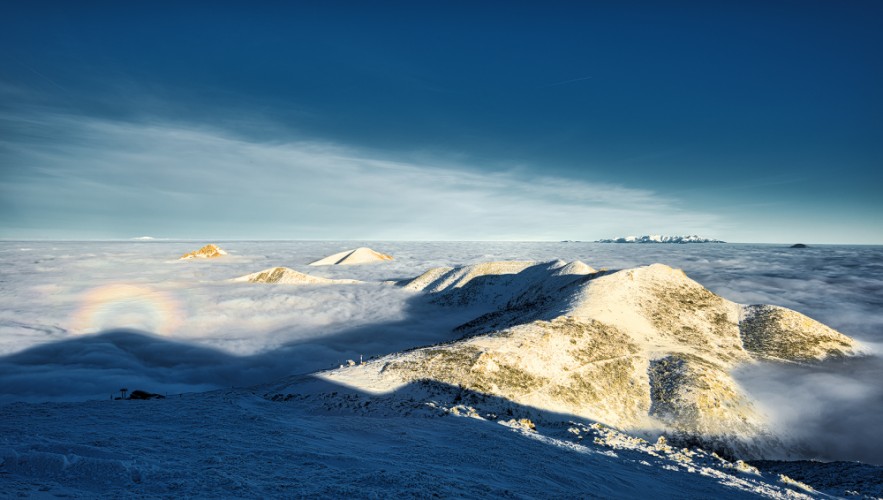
[{"x": 138, "y": 394}]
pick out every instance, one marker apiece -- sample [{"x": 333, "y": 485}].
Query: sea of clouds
[{"x": 83, "y": 319}]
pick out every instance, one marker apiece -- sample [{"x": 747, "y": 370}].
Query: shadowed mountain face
[
  {"x": 100, "y": 364},
  {"x": 639, "y": 349}
]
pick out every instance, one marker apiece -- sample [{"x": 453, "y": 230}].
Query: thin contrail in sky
[
  {"x": 574, "y": 80},
  {"x": 41, "y": 75}
]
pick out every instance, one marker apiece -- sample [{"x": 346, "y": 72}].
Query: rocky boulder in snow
[{"x": 138, "y": 394}]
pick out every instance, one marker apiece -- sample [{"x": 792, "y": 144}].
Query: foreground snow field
[
  {"x": 82, "y": 320},
  {"x": 238, "y": 443}
]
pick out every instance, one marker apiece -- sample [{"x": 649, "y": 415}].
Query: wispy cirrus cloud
[{"x": 84, "y": 176}]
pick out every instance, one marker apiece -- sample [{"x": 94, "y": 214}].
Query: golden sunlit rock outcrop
[{"x": 209, "y": 251}]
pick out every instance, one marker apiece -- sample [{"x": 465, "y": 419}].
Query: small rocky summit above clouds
[
  {"x": 361, "y": 255},
  {"x": 286, "y": 276},
  {"x": 209, "y": 251},
  {"x": 643, "y": 349}
]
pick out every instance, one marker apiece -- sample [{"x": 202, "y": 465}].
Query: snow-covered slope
[
  {"x": 511, "y": 409},
  {"x": 339, "y": 443},
  {"x": 639, "y": 349},
  {"x": 360, "y": 255},
  {"x": 494, "y": 284},
  {"x": 209, "y": 251},
  {"x": 286, "y": 276},
  {"x": 782, "y": 334}
]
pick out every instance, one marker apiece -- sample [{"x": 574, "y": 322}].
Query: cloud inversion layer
[{"x": 214, "y": 333}]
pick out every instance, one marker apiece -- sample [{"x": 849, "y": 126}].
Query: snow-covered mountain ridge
[
  {"x": 657, "y": 238},
  {"x": 643, "y": 349},
  {"x": 286, "y": 276},
  {"x": 361, "y": 255}
]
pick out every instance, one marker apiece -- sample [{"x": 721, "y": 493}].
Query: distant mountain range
[{"x": 657, "y": 238}]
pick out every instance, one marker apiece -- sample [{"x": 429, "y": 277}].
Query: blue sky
[{"x": 745, "y": 121}]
